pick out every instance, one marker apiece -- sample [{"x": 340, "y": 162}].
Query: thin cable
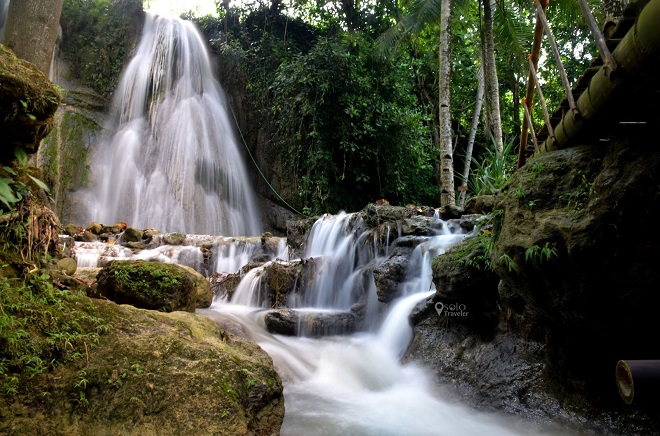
[{"x": 259, "y": 169}]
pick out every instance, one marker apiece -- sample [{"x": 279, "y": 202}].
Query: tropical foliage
[{"x": 350, "y": 90}]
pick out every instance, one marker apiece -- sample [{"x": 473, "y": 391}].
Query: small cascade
[
  {"x": 339, "y": 256},
  {"x": 170, "y": 159},
  {"x": 204, "y": 253},
  {"x": 353, "y": 383}
]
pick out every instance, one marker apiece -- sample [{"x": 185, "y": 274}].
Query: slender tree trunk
[
  {"x": 225, "y": 6},
  {"x": 490, "y": 70},
  {"x": 473, "y": 134},
  {"x": 447, "y": 194},
  {"x": 31, "y": 32}
]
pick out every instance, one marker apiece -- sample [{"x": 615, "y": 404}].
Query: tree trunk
[
  {"x": 473, "y": 134},
  {"x": 490, "y": 73},
  {"x": 32, "y": 28},
  {"x": 447, "y": 194}
]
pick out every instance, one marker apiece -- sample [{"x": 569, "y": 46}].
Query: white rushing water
[
  {"x": 354, "y": 384},
  {"x": 170, "y": 159}
]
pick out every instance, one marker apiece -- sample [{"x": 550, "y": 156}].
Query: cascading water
[
  {"x": 354, "y": 384},
  {"x": 170, "y": 159}
]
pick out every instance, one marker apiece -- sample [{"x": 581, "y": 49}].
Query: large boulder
[
  {"x": 153, "y": 373},
  {"x": 28, "y": 101},
  {"x": 149, "y": 285}
]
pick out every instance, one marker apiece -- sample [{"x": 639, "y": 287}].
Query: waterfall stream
[
  {"x": 170, "y": 159},
  {"x": 354, "y": 384}
]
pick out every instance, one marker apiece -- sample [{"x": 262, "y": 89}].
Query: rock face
[
  {"x": 154, "y": 373},
  {"x": 28, "y": 102},
  {"x": 305, "y": 323},
  {"x": 153, "y": 285},
  {"x": 571, "y": 292}
]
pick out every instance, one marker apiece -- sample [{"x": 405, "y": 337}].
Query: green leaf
[
  {"x": 7, "y": 193},
  {"x": 40, "y": 183},
  {"x": 21, "y": 155}
]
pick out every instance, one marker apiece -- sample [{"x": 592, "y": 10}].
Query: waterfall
[
  {"x": 4, "y": 11},
  {"x": 170, "y": 159}
]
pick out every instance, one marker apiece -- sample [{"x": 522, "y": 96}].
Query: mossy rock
[
  {"x": 202, "y": 287},
  {"x": 28, "y": 101},
  {"x": 149, "y": 285},
  {"x": 153, "y": 373}
]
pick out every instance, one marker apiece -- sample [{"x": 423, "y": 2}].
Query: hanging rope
[{"x": 293, "y": 209}]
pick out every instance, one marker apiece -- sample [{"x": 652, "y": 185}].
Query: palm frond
[{"x": 514, "y": 33}]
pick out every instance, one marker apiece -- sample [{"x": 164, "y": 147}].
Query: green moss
[{"x": 42, "y": 327}]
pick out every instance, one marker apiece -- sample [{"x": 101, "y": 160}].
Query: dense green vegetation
[
  {"x": 346, "y": 94},
  {"x": 98, "y": 39},
  {"x": 43, "y": 321},
  {"x": 353, "y": 110}
]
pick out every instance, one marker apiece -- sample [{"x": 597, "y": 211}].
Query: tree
[
  {"x": 32, "y": 28},
  {"x": 490, "y": 73},
  {"x": 447, "y": 194}
]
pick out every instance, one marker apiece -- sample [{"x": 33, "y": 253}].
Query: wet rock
[
  {"x": 115, "y": 228},
  {"x": 309, "y": 323},
  {"x": 95, "y": 228},
  {"x": 175, "y": 238},
  {"x": 87, "y": 275},
  {"x": 71, "y": 230},
  {"x": 389, "y": 275},
  {"x": 297, "y": 233},
  {"x": 86, "y": 236},
  {"x": 463, "y": 276},
  {"x": 67, "y": 265},
  {"x": 131, "y": 235}
]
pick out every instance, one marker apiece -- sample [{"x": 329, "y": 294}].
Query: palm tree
[
  {"x": 490, "y": 73},
  {"x": 447, "y": 193}
]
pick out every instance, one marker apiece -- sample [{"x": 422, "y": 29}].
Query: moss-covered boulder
[
  {"x": 149, "y": 285},
  {"x": 153, "y": 373},
  {"x": 28, "y": 101}
]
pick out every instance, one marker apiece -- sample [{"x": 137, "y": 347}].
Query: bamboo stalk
[
  {"x": 608, "y": 60},
  {"x": 551, "y": 131},
  {"x": 540, "y": 13},
  {"x": 529, "y": 98},
  {"x": 528, "y": 117}
]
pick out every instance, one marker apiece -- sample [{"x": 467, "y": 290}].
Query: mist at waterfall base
[
  {"x": 170, "y": 159},
  {"x": 354, "y": 384}
]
